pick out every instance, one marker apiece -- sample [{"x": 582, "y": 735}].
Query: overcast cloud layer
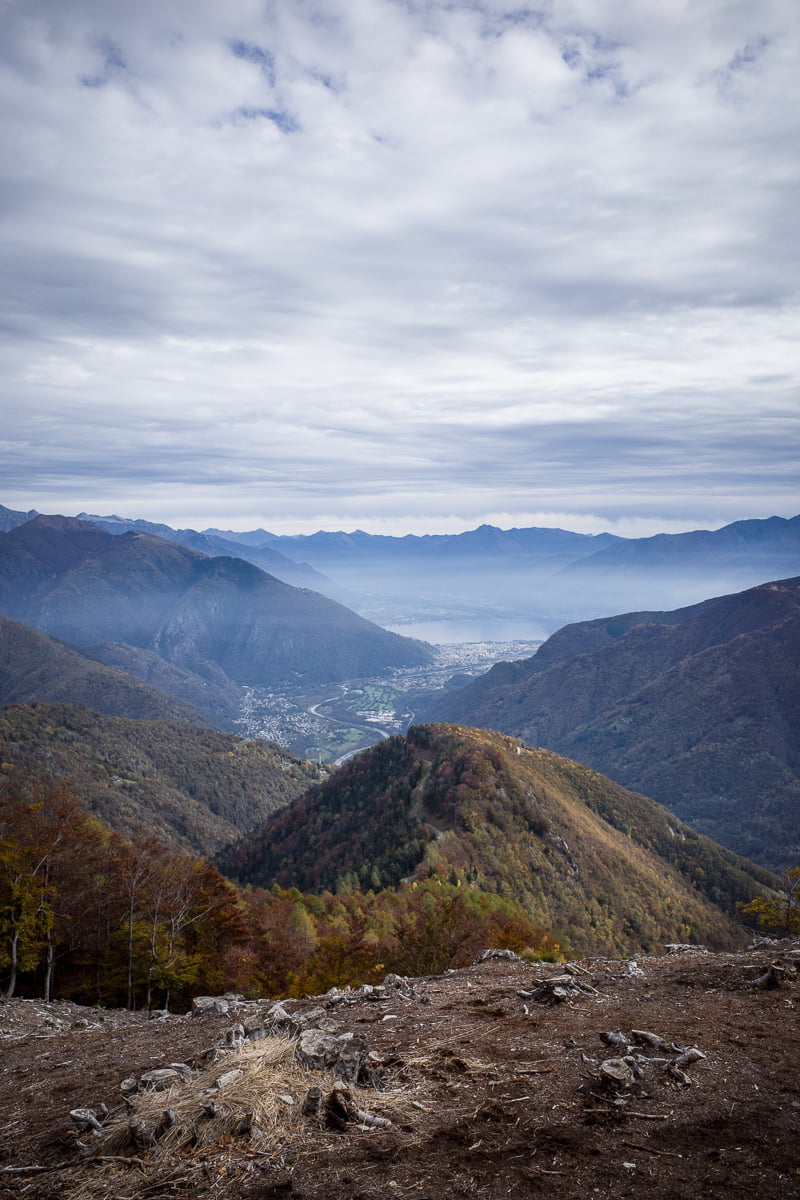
[{"x": 401, "y": 265}]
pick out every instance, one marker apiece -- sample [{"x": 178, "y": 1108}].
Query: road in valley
[{"x": 372, "y": 730}]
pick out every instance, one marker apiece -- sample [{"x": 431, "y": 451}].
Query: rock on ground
[{"x": 490, "y": 1092}]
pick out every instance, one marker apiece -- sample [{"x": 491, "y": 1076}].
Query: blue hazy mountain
[{"x": 84, "y": 585}]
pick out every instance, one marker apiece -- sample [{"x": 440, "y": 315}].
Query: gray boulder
[
  {"x": 201, "y": 1005},
  {"x": 344, "y": 1054}
]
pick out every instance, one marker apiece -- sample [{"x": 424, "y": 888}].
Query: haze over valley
[
  {"x": 399, "y": 598},
  {"x": 693, "y": 706}
]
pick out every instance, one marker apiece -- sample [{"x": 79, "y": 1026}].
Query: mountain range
[
  {"x": 222, "y": 619},
  {"x": 216, "y": 545},
  {"x": 674, "y": 568},
  {"x": 552, "y": 574},
  {"x": 698, "y": 708},
  {"x": 602, "y": 868},
  {"x": 546, "y": 577},
  {"x": 211, "y": 542}
]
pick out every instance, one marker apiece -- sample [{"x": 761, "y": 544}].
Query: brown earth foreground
[{"x": 489, "y": 1093}]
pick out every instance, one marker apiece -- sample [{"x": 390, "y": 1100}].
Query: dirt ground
[{"x": 489, "y": 1093}]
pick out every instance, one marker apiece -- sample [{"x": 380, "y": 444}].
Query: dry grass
[
  {"x": 270, "y": 1071},
  {"x": 262, "y": 1106},
  {"x": 252, "y": 1122}
]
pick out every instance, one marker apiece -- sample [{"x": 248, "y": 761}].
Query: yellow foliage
[{"x": 780, "y": 912}]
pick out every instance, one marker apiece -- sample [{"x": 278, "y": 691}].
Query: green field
[
  {"x": 338, "y": 742},
  {"x": 372, "y": 698}
]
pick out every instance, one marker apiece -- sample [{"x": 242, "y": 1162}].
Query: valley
[
  {"x": 352, "y": 808},
  {"x": 330, "y": 723}
]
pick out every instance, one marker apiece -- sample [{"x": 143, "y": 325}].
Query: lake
[{"x": 477, "y": 629}]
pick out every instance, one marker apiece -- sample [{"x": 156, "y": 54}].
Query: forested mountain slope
[
  {"x": 191, "y": 787},
  {"x": 604, "y": 868},
  {"x": 35, "y": 668},
  {"x": 698, "y": 708}
]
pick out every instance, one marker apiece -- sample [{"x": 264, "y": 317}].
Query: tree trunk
[
  {"x": 129, "y": 998},
  {"x": 12, "y": 979},
  {"x": 48, "y": 970}
]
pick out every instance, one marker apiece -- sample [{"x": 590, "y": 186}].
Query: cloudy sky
[{"x": 408, "y": 265}]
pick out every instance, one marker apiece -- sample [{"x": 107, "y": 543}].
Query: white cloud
[{"x": 401, "y": 261}]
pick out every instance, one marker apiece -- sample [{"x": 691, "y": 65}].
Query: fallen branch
[
  {"x": 624, "y": 1111},
  {"x": 370, "y": 1119},
  {"x": 118, "y": 1158},
  {"x": 652, "y": 1150},
  {"x": 30, "y": 1170}
]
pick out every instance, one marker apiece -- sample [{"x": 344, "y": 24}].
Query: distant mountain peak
[
  {"x": 10, "y": 518},
  {"x": 79, "y": 582}
]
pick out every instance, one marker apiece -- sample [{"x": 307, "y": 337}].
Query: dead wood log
[
  {"x": 341, "y": 1110},
  {"x": 773, "y": 977},
  {"x": 370, "y": 1119},
  {"x": 558, "y": 990},
  {"x": 643, "y": 1037},
  {"x": 689, "y": 1056},
  {"x": 85, "y": 1119},
  {"x": 616, "y": 1038}
]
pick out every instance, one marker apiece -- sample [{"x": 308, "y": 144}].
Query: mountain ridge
[
  {"x": 192, "y": 787},
  {"x": 37, "y": 668},
  {"x": 216, "y": 545},
  {"x": 697, "y": 708},
  {"x": 11, "y": 517},
  {"x": 86, "y": 586},
  {"x": 610, "y": 869}
]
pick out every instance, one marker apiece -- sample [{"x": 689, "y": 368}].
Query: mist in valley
[{"x": 500, "y": 602}]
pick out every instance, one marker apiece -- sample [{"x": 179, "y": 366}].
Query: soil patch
[{"x": 493, "y": 1082}]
